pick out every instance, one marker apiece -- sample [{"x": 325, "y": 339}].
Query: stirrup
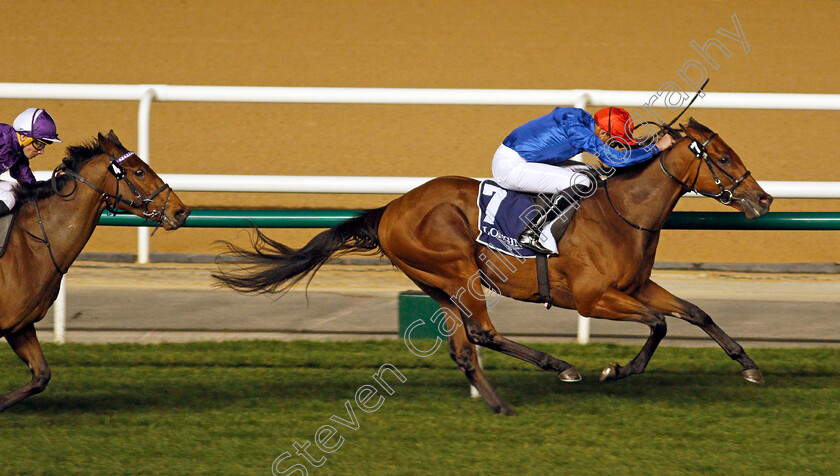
[{"x": 529, "y": 239}]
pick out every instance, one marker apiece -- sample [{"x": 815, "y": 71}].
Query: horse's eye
[
  {"x": 139, "y": 173},
  {"x": 724, "y": 159}
]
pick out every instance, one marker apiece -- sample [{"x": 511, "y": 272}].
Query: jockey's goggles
[{"x": 38, "y": 144}]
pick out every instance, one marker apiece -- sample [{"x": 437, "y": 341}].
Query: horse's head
[
  {"x": 138, "y": 189},
  {"x": 710, "y": 167}
]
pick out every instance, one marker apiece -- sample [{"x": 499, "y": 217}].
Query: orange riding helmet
[{"x": 617, "y": 123}]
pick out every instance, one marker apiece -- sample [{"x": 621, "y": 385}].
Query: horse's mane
[{"x": 77, "y": 156}]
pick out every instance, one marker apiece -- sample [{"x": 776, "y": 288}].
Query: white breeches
[
  {"x": 513, "y": 172},
  {"x": 6, "y": 194}
]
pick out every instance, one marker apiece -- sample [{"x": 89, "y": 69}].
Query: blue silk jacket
[
  {"x": 564, "y": 133},
  {"x": 11, "y": 156}
]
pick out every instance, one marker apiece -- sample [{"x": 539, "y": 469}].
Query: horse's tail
[{"x": 272, "y": 267}]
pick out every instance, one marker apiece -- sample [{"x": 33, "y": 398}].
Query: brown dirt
[{"x": 429, "y": 44}]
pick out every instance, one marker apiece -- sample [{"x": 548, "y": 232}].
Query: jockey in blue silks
[
  {"x": 533, "y": 157},
  {"x": 21, "y": 142}
]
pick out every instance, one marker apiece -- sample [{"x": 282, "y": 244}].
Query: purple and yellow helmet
[{"x": 36, "y": 124}]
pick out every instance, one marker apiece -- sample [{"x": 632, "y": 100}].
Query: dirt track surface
[
  {"x": 179, "y": 302},
  {"x": 506, "y": 44}
]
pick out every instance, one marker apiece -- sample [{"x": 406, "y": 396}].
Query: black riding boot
[
  {"x": 4, "y": 209},
  {"x": 561, "y": 203}
]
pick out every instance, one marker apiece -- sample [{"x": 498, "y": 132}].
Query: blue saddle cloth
[{"x": 502, "y": 216}]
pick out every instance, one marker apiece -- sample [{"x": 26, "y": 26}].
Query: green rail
[{"x": 211, "y": 218}]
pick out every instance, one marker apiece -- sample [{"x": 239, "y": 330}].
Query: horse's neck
[
  {"x": 647, "y": 198},
  {"x": 68, "y": 221}
]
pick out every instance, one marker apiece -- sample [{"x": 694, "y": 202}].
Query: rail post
[
  {"x": 60, "y": 312},
  {"x": 583, "y": 322},
  {"x": 143, "y": 119}
]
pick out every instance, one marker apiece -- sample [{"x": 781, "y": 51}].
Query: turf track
[{"x": 232, "y": 408}]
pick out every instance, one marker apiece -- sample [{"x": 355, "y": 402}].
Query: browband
[{"x": 124, "y": 156}]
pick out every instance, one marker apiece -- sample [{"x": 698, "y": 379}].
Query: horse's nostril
[
  {"x": 765, "y": 200},
  {"x": 181, "y": 215}
]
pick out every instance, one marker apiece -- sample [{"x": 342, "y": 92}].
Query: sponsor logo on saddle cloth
[{"x": 503, "y": 215}]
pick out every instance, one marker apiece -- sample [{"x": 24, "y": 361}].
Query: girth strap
[{"x": 543, "y": 284}]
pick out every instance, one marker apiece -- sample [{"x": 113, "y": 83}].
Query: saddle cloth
[{"x": 503, "y": 215}]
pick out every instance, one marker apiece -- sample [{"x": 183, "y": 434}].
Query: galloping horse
[
  {"x": 603, "y": 268},
  {"x": 54, "y": 221}
]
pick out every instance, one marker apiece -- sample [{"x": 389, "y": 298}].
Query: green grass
[{"x": 232, "y": 408}]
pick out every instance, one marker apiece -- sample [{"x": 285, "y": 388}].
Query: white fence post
[
  {"x": 143, "y": 118},
  {"x": 60, "y": 312},
  {"x": 583, "y": 329},
  {"x": 583, "y": 322}
]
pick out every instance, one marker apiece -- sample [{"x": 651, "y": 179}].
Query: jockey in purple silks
[{"x": 21, "y": 142}]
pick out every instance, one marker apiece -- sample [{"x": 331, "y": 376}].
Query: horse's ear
[
  {"x": 114, "y": 138},
  {"x": 107, "y": 145}
]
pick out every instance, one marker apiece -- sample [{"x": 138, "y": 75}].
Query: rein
[
  {"x": 45, "y": 240},
  {"x": 140, "y": 201},
  {"x": 626, "y": 220}
]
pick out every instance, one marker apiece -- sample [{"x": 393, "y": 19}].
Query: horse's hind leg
[
  {"x": 655, "y": 296},
  {"x": 463, "y": 353},
  {"x": 26, "y": 346},
  {"x": 438, "y": 252}
]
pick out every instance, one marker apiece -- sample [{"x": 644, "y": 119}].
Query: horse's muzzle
[
  {"x": 177, "y": 220},
  {"x": 754, "y": 205}
]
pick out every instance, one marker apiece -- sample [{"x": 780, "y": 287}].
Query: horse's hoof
[
  {"x": 503, "y": 409},
  {"x": 753, "y": 376},
  {"x": 570, "y": 375},
  {"x": 610, "y": 373}
]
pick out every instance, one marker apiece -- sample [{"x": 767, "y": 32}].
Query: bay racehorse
[
  {"x": 54, "y": 219},
  {"x": 603, "y": 269}
]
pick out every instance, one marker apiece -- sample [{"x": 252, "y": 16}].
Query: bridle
[
  {"x": 140, "y": 201},
  {"x": 726, "y": 195}
]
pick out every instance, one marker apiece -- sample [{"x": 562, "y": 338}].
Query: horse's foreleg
[
  {"x": 655, "y": 296},
  {"x": 615, "y": 305},
  {"x": 26, "y": 346}
]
